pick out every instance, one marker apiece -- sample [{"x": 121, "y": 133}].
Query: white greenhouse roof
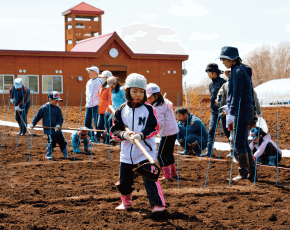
[{"x": 274, "y": 88}]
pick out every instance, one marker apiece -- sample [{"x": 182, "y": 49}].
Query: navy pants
[
  {"x": 191, "y": 138},
  {"x": 91, "y": 113},
  {"x": 52, "y": 139},
  {"x": 101, "y": 124},
  {"x": 126, "y": 182},
  {"x": 23, "y": 115},
  {"x": 108, "y": 124},
  {"x": 165, "y": 150}
]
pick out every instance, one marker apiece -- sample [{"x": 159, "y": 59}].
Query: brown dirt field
[{"x": 81, "y": 194}]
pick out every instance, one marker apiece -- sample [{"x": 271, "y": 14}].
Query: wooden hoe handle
[{"x": 143, "y": 150}]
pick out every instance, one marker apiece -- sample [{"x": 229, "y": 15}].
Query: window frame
[
  {"x": 46, "y": 92},
  {"x": 31, "y": 91},
  {"x": 6, "y": 91}
]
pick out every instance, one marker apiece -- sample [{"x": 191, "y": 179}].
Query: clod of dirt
[{"x": 273, "y": 217}]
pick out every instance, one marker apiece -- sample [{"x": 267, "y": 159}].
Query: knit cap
[{"x": 136, "y": 80}]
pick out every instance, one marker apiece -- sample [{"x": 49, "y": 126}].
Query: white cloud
[
  {"x": 188, "y": 9},
  {"x": 285, "y": 10},
  {"x": 288, "y": 28},
  {"x": 203, "y": 37},
  {"x": 151, "y": 38},
  {"x": 148, "y": 16}
]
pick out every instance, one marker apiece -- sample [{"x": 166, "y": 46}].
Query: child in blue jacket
[
  {"x": 51, "y": 116},
  {"x": 77, "y": 138}
]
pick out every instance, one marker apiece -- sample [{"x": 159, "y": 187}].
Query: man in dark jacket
[
  {"x": 213, "y": 72},
  {"x": 192, "y": 134},
  {"x": 20, "y": 96}
]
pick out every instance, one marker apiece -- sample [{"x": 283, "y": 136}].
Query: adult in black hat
[
  {"x": 214, "y": 72},
  {"x": 241, "y": 106}
]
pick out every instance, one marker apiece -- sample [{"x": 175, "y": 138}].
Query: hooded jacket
[
  {"x": 166, "y": 112},
  {"x": 142, "y": 120},
  {"x": 240, "y": 89}
]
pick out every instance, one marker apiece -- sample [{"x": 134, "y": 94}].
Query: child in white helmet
[
  {"x": 141, "y": 119},
  {"x": 79, "y": 137},
  {"x": 168, "y": 130}
]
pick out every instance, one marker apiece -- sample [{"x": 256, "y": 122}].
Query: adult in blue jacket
[
  {"x": 191, "y": 131},
  {"x": 240, "y": 107},
  {"x": 214, "y": 72},
  {"x": 20, "y": 96}
]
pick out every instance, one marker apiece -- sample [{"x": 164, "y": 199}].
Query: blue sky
[{"x": 198, "y": 28}]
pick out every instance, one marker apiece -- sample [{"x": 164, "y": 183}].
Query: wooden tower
[{"x": 81, "y": 22}]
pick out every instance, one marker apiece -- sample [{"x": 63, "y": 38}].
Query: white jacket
[
  {"x": 170, "y": 125},
  {"x": 143, "y": 120},
  {"x": 263, "y": 146},
  {"x": 92, "y": 92}
]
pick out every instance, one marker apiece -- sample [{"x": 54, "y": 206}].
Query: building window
[
  {"x": 31, "y": 82},
  {"x": 52, "y": 83},
  {"x": 6, "y": 81}
]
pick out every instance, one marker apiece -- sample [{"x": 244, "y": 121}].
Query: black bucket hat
[
  {"x": 213, "y": 68},
  {"x": 229, "y": 52}
]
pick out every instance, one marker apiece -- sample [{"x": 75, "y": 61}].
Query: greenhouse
[{"x": 274, "y": 92}]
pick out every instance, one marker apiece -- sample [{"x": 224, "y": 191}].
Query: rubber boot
[
  {"x": 173, "y": 171},
  {"x": 126, "y": 202},
  {"x": 244, "y": 165},
  {"x": 167, "y": 173},
  {"x": 252, "y": 169},
  {"x": 208, "y": 151},
  {"x": 272, "y": 160}
]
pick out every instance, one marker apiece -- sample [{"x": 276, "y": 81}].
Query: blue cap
[{"x": 229, "y": 52}]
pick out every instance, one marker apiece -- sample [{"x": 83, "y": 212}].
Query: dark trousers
[
  {"x": 165, "y": 150},
  {"x": 108, "y": 124},
  {"x": 91, "y": 113},
  {"x": 191, "y": 138},
  {"x": 126, "y": 182},
  {"x": 213, "y": 122},
  {"x": 101, "y": 124},
  {"x": 23, "y": 115},
  {"x": 52, "y": 139}
]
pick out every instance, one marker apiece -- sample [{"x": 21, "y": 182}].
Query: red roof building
[{"x": 65, "y": 71}]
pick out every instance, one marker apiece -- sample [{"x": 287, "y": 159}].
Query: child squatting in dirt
[
  {"x": 79, "y": 137},
  {"x": 51, "y": 116},
  {"x": 140, "y": 118}
]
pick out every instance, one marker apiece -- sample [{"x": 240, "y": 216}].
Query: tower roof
[{"x": 83, "y": 8}]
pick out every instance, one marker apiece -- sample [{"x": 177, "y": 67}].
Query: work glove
[
  {"x": 30, "y": 126},
  {"x": 136, "y": 136},
  {"x": 253, "y": 122},
  {"x": 226, "y": 109},
  {"x": 11, "y": 100},
  {"x": 56, "y": 128},
  {"x": 17, "y": 108},
  {"x": 76, "y": 150},
  {"x": 230, "y": 119},
  {"x": 126, "y": 135}
]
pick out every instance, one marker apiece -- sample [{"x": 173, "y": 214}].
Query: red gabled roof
[
  {"x": 98, "y": 44},
  {"x": 83, "y": 8}
]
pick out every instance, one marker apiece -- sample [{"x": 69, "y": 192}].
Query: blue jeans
[
  {"x": 108, "y": 124},
  {"x": 91, "y": 113},
  {"x": 213, "y": 122},
  {"x": 23, "y": 115},
  {"x": 242, "y": 144}
]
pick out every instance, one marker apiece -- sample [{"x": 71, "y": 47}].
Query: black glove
[{"x": 253, "y": 121}]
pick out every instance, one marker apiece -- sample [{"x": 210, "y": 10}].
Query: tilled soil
[{"x": 80, "y": 192}]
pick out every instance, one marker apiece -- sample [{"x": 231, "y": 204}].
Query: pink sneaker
[
  {"x": 158, "y": 208},
  {"x": 167, "y": 173}
]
